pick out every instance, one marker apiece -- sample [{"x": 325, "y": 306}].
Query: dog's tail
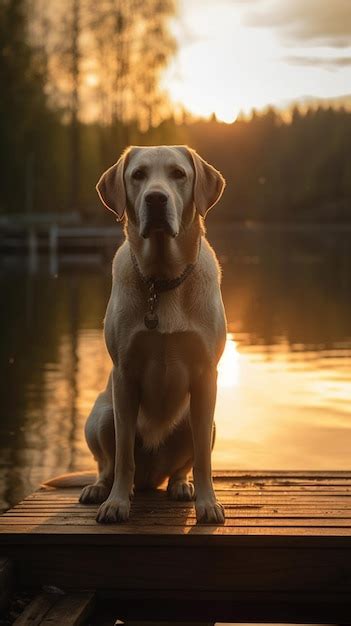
[{"x": 74, "y": 479}]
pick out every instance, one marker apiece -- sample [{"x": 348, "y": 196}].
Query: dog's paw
[
  {"x": 209, "y": 512},
  {"x": 113, "y": 511},
  {"x": 94, "y": 494},
  {"x": 181, "y": 490}
]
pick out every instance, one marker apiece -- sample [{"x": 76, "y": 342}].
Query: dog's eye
[
  {"x": 139, "y": 174},
  {"x": 178, "y": 173}
]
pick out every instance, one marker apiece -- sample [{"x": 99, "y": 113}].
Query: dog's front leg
[
  {"x": 125, "y": 408},
  {"x": 202, "y": 404}
]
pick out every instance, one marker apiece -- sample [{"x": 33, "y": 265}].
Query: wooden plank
[
  {"x": 37, "y": 609},
  {"x": 178, "y": 512},
  {"x": 232, "y": 511},
  {"x": 282, "y": 478},
  {"x": 219, "y": 568},
  {"x": 254, "y": 483},
  {"x": 169, "y": 507},
  {"x": 127, "y": 534},
  {"x": 178, "y": 515},
  {"x": 222, "y": 493},
  {"x": 283, "y": 485},
  {"x": 225, "y": 493},
  {"x": 281, "y": 474},
  {"x": 229, "y": 497},
  {"x": 222, "y": 486},
  {"x": 6, "y": 581},
  {"x": 51, "y": 609},
  {"x": 163, "y": 512},
  {"x": 238, "y": 522},
  {"x": 183, "y": 513},
  {"x": 167, "y": 504},
  {"x": 71, "y": 610}
]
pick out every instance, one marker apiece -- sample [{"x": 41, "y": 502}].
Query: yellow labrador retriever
[{"x": 165, "y": 331}]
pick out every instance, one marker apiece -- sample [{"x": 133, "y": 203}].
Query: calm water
[{"x": 284, "y": 380}]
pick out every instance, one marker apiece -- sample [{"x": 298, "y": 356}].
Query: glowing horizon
[{"x": 228, "y": 62}]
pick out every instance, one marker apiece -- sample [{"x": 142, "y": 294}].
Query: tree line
[
  {"x": 80, "y": 80},
  {"x": 282, "y": 170}
]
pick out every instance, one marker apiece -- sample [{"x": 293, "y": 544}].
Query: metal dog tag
[{"x": 151, "y": 320}]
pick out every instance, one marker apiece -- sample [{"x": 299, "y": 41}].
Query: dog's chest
[
  {"x": 164, "y": 365},
  {"x": 165, "y": 352}
]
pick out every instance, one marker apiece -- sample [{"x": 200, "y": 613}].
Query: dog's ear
[
  {"x": 209, "y": 183},
  {"x": 111, "y": 187}
]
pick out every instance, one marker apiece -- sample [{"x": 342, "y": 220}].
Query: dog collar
[{"x": 155, "y": 287}]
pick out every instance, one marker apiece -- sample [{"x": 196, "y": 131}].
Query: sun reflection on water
[{"x": 228, "y": 367}]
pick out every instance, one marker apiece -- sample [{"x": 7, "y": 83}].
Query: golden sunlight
[
  {"x": 92, "y": 79},
  {"x": 225, "y": 112},
  {"x": 229, "y": 60},
  {"x": 228, "y": 368},
  {"x": 218, "y": 70}
]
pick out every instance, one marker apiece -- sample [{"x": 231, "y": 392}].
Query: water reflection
[
  {"x": 284, "y": 379},
  {"x": 228, "y": 368},
  {"x": 285, "y": 413}
]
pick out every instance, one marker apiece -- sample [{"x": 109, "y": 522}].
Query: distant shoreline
[{"x": 282, "y": 226}]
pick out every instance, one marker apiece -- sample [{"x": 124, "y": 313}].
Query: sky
[{"x": 236, "y": 55}]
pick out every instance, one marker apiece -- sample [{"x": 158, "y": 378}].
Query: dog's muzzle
[{"x": 156, "y": 215}]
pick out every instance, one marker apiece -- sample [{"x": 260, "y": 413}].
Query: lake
[{"x": 284, "y": 380}]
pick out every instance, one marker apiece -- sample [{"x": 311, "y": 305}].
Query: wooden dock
[{"x": 284, "y": 554}]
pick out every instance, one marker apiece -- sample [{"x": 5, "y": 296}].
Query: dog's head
[{"x": 160, "y": 187}]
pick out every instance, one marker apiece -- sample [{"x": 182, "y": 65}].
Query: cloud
[
  {"x": 316, "y": 22},
  {"x": 329, "y": 63}
]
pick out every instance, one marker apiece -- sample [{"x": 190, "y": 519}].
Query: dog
[{"x": 165, "y": 331}]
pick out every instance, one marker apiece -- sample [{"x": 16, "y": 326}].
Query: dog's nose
[{"x": 156, "y": 199}]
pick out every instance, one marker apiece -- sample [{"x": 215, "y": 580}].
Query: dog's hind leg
[
  {"x": 172, "y": 461},
  {"x": 179, "y": 487},
  {"x": 100, "y": 436}
]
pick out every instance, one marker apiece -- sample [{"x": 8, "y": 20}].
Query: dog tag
[{"x": 151, "y": 320}]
